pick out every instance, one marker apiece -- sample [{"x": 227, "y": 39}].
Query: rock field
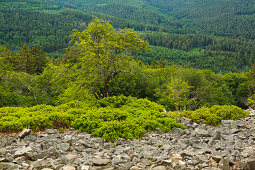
[{"x": 230, "y": 146}]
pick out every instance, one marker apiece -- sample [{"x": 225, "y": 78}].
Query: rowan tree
[{"x": 105, "y": 52}]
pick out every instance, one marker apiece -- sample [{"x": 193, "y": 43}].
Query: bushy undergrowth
[
  {"x": 214, "y": 115},
  {"x": 110, "y": 118}
]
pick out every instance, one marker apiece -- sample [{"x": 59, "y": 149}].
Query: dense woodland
[
  {"x": 57, "y": 58},
  {"x": 216, "y": 30},
  {"x": 29, "y": 77}
]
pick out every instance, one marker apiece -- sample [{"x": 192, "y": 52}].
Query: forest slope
[{"x": 217, "y": 30}]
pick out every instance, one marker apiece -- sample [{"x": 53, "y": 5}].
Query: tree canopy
[{"x": 105, "y": 52}]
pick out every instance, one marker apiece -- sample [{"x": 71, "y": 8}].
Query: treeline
[
  {"x": 49, "y": 24},
  {"x": 197, "y": 58},
  {"x": 200, "y": 51},
  {"x": 50, "y": 32},
  {"x": 38, "y": 28},
  {"x": 219, "y": 18},
  {"x": 62, "y": 80}
]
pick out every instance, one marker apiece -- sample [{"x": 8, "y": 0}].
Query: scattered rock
[
  {"x": 176, "y": 158},
  {"x": 24, "y": 133},
  {"x": 100, "y": 161},
  {"x": 230, "y": 146},
  {"x": 22, "y": 151},
  {"x": 159, "y": 168},
  {"x": 63, "y": 146},
  {"x": 68, "y": 167},
  {"x": 248, "y": 151},
  {"x": 51, "y": 131}
]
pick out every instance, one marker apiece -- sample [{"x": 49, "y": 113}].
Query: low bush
[
  {"x": 214, "y": 115},
  {"x": 110, "y": 118}
]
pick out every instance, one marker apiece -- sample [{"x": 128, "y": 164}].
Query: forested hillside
[
  {"x": 87, "y": 88},
  {"x": 216, "y": 30},
  {"x": 127, "y": 84}
]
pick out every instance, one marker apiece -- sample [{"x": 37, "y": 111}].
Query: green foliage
[
  {"x": 199, "y": 51},
  {"x": 110, "y": 118},
  {"x": 206, "y": 34},
  {"x": 105, "y": 53},
  {"x": 74, "y": 92},
  {"x": 251, "y": 101},
  {"x": 214, "y": 115},
  {"x": 238, "y": 84},
  {"x": 175, "y": 93}
]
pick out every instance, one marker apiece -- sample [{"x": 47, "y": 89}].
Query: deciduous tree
[{"x": 105, "y": 52}]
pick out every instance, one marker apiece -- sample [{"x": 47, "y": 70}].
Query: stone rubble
[{"x": 230, "y": 146}]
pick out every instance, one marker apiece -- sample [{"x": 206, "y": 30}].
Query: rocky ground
[{"x": 230, "y": 146}]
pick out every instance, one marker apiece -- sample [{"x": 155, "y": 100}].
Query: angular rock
[
  {"x": 24, "y": 133},
  {"x": 248, "y": 151},
  {"x": 176, "y": 157},
  {"x": 217, "y": 158},
  {"x": 100, "y": 161},
  {"x": 224, "y": 164},
  {"x": 68, "y": 167},
  {"x": 117, "y": 159},
  {"x": 251, "y": 163},
  {"x": 22, "y": 152},
  {"x": 84, "y": 167},
  {"x": 63, "y": 146},
  {"x": 51, "y": 131},
  {"x": 200, "y": 133},
  {"x": 134, "y": 168},
  {"x": 159, "y": 168},
  {"x": 217, "y": 135},
  {"x": 6, "y": 159}
]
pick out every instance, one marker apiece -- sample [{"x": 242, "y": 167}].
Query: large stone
[
  {"x": 231, "y": 124},
  {"x": 84, "y": 167},
  {"x": 217, "y": 135},
  {"x": 148, "y": 154},
  {"x": 200, "y": 133},
  {"x": 51, "y": 131},
  {"x": 167, "y": 162},
  {"x": 134, "y": 168},
  {"x": 63, "y": 146},
  {"x": 217, "y": 158},
  {"x": 100, "y": 161},
  {"x": 117, "y": 159},
  {"x": 159, "y": 168},
  {"x": 39, "y": 164},
  {"x": 248, "y": 151},
  {"x": 6, "y": 159},
  {"x": 176, "y": 157},
  {"x": 71, "y": 158},
  {"x": 224, "y": 164},
  {"x": 251, "y": 164},
  {"x": 22, "y": 152},
  {"x": 177, "y": 131},
  {"x": 24, "y": 133},
  {"x": 67, "y": 167},
  {"x": 213, "y": 163}
]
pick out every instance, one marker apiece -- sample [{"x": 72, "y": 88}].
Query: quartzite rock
[
  {"x": 22, "y": 151},
  {"x": 24, "y": 133}
]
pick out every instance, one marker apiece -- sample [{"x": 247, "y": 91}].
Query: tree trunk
[{"x": 106, "y": 87}]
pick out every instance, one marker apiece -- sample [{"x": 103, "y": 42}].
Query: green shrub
[
  {"x": 214, "y": 115},
  {"x": 109, "y": 118}
]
